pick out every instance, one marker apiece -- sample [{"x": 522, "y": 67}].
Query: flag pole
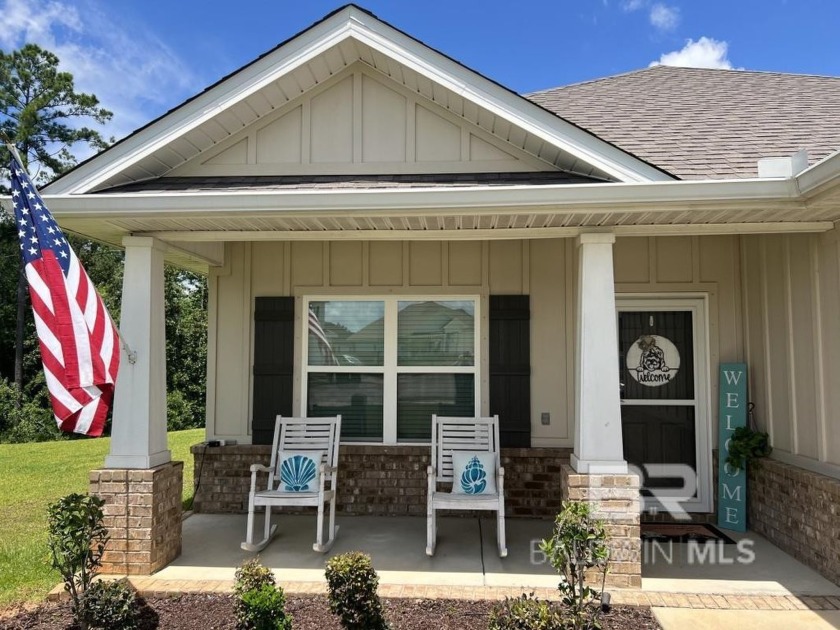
[{"x": 131, "y": 355}]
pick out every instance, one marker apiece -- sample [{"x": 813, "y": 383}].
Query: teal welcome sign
[{"x": 732, "y": 483}]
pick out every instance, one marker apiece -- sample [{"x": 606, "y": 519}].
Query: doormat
[{"x": 683, "y": 532}]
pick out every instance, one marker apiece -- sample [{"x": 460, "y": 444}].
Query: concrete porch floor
[{"x": 467, "y": 559}]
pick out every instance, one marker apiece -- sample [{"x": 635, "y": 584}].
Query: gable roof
[
  {"x": 345, "y": 37},
  {"x": 706, "y": 124}
]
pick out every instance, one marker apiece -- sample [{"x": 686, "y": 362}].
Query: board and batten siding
[
  {"x": 690, "y": 266},
  {"x": 544, "y": 269},
  {"x": 792, "y": 314},
  {"x": 360, "y": 121}
]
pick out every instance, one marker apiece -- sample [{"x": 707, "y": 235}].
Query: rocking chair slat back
[
  {"x": 301, "y": 435},
  {"x": 461, "y": 434}
]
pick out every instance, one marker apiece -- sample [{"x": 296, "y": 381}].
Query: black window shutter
[
  {"x": 274, "y": 352},
  {"x": 510, "y": 367}
]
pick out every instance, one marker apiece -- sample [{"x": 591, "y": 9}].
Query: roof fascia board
[
  {"x": 614, "y": 196},
  {"x": 821, "y": 176},
  {"x": 508, "y": 105}
]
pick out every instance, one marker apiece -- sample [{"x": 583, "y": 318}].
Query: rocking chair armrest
[
  {"x": 328, "y": 469},
  {"x": 500, "y": 472},
  {"x": 430, "y": 471},
  {"x": 255, "y": 468}
]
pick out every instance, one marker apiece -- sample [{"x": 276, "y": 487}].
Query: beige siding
[
  {"x": 543, "y": 269},
  {"x": 706, "y": 266},
  {"x": 362, "y": 122},
  {"x": 791, "y": 302}
]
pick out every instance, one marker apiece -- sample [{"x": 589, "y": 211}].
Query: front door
[{"x": 663, "y": 394}]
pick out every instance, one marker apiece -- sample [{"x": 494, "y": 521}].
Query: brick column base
[
  {"x": 143, "y": 516},
  {"x": 615, "y": 499}
]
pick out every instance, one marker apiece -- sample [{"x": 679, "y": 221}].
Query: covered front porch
[{"x": 466, "y": 563}]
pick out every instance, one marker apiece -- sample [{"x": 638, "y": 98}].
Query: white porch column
[
  {"x": 598, "y": 443},
  {"x": 138, "y": 432}
]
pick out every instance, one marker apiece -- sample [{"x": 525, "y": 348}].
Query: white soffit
[{"x": 349, "y": 36}]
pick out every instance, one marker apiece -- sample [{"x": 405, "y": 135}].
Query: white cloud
[
  {"x": 661, "y": 16},
  {"x": 703, "y": 53},
  {"x": 664, "y": 17},
  {"x": 633, "y": 5},
  {"x": 127, "y": 67}
]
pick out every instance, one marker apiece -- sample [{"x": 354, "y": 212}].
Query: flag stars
[
  {"x": 51, "y": 230},
  {"x": 21, "y": 233},
  {"x": 32, "y": 251},
  {"x": 63, "y": 254}
]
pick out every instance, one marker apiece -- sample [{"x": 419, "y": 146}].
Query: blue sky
[{"x": 142, "y": 57}]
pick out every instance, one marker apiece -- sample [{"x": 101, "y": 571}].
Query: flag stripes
[{"x": 78, "y": 340}]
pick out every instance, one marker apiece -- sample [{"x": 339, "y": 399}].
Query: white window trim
[{"x": 390, "y": 369}]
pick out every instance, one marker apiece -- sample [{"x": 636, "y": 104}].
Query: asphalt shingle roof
[{"x": 705, "y": 124}]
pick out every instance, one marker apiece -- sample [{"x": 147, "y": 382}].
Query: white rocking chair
[
  {"x": 468, "y": 436},
  {"x": 318, "y": 438}
]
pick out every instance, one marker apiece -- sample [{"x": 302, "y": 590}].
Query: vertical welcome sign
[{"x": 732, "y": 483}]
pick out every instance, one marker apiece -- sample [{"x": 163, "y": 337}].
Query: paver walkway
[{"x": 151, "y": 586}]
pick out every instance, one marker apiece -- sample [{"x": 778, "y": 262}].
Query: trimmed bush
[
  {"x": 251, "y": 575},
  {"x": 525, "y": 612},
  {"x": 264, "y": 608},
  {"x": 352, "y": 586},
  {"x": 110, "y": 606},
  {"x": 259, "y": 603}
]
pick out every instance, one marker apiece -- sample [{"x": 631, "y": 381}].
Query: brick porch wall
[
  {"x": 615, "y": 499},
  {"x": 380, "y": 480},
  {"x": 799, "y": 512},
  {"x": 143, "y": 516}
]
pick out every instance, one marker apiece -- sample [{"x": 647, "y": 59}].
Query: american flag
[{"x": 79, "y": 343}]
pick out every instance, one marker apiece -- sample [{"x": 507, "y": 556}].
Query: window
[{"x": 387, "y": 364}]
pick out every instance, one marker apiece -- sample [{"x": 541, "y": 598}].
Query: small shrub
[
  {"x": 352, "y": 584},
  {"x": 525, "y": 612},
  {"x": 109, "y": 606},
  {"x": 264, "y": 608},
  {"x": 578, "y": 544},
  {"x": 77, "y": 540},
  {"x": 252, "y": 575},
  {"x": 259, "y": 602}
]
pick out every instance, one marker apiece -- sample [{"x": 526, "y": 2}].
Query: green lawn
[{"x": 34, "y": 475}]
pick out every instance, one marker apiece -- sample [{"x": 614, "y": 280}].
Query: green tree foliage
[
  {"x": 41, "y": 113},
  {"x": 186, "y": 348},
  {"x": 39, "y": 109}
]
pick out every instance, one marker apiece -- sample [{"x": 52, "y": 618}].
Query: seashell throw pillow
[
  {"x": 299, "y": 471},
  {"x": 473, "y": 472}
]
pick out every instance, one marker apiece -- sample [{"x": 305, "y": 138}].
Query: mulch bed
[{"x": 310, "y": 612}]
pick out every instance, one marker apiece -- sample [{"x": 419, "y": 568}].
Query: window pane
[
  {"x": 421, "y": 395},
  {"x": 357, "y": 397},
  {"x": 436, "y": 333},
  {"x": 346, "y": 333}
]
